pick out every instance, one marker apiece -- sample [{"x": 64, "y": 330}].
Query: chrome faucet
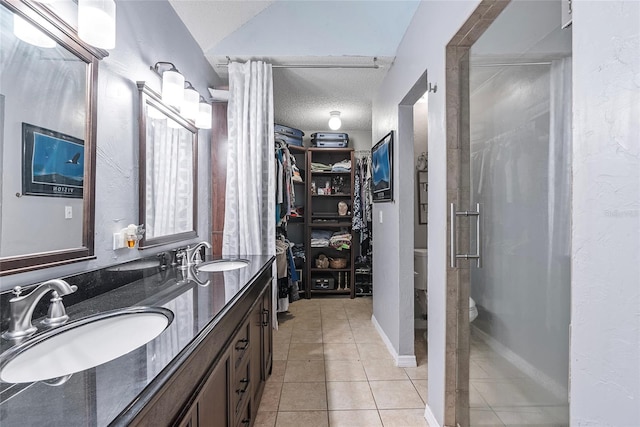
[
  {"x": 22, "y": 307},
  {"x": 192, "y": 252},
  {"x": 190, "y": 274}
]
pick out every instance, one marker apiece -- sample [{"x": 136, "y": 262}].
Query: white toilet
[{"x": 420, "y": 285}]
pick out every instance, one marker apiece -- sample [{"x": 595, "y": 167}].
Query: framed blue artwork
[
  {"x": 52, "y": 163},
  {"x": 382, "y": 168}
]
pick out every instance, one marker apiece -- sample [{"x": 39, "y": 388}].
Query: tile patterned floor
[
  {"x": 501, "y": 395},
  {"x": 331, "y": 368}
]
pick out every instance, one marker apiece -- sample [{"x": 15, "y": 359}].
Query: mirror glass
[
  {"x": 168, "y": 172},
  {"x": 46, "y": 140}
]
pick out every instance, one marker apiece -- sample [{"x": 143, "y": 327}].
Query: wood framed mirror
[
  {"x": 48, "y": 98},
  {"x": 168, "y": 205}
]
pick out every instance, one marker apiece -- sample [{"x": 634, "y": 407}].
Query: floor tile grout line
[{"x": 328, "y": 361}]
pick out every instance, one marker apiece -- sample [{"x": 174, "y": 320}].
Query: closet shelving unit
[
  {"x": 321, "y": 212},
  {"x": 296, "y": 225}
]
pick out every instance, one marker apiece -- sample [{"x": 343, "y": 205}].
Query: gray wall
[
  {"x": 605, "y": 293},
  {"x": 147, "y": 32},
  {"x": 422, "y": 48}
]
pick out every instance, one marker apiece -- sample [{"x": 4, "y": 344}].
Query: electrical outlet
[{"x": 68, "y": 212}]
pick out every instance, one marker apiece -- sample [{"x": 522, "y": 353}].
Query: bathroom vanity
[{"x": 207, "y": 368}]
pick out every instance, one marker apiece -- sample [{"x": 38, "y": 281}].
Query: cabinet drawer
[
  {"x": 241, "y": 345},
  {"x": 243, "y": 419},
  {"x": 241, "y": 387}
]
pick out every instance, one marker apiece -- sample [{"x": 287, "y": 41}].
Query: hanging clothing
[
  {"x": 362, "y": 197},
  {"x": 285, "y": 193}
]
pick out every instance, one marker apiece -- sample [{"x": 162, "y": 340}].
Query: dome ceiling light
[{"x": 334, "y": 120}]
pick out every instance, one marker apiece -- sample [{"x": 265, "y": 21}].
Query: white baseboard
[
  {"x": 525, "y": 367},
  {"x": 431, "y": 419},
  {"x": 401, "y": 361},
  {"x": 406, "y": 361}
]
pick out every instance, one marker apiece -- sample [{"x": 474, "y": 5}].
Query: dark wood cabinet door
[
  {"x": 191, "y": 419},
  {"x": 213, "y": 400},
  {"x": 255, "y": 332},
  {"x": 267, "y": 334}
]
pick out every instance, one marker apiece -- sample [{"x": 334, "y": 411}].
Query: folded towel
[
  {"x": 319, "y": 167},
  {"x": 321, "y": 234},
  {"x": 319, "y": 243},
  {"x": 343, "y": 166}
]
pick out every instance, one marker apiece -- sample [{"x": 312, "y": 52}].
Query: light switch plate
[
  {"x": 118, "y": 241},
  {"x": 68, "y": 212}
]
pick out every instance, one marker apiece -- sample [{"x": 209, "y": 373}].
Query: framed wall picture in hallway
[{"x": 382, "y": 166}]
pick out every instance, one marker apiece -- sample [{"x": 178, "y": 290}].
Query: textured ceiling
[
  {"x": 306, "y": 32},
  {"x": 304, "y": 97}
]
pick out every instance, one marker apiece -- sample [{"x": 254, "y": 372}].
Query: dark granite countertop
[{"x": 97, "y": 396}]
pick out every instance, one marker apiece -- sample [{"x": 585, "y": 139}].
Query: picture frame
[
  {"x": 382, "y": 169},
  {"x": 52, "y": 163}
]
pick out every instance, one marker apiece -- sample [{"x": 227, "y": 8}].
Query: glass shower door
[{"x": 520, "y": 146}]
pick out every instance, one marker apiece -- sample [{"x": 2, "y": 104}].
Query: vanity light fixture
[
  {"x": 181, "y": 95},
  {"x": 203, "y": 121},
  {"x": 190, "y": 105},
  {"x": 97, "y": 22},
  {"x": 27, "y": 32},
  {"x": 334, "y": 120},
  {"x": 172, "y": 84}
]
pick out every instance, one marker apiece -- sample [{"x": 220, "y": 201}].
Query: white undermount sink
[
  {"x": 222, "y": 265},
  {"x": 83, "y": 344}
]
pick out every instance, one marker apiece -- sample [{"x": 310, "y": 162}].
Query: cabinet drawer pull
[
  {"x": 244, "y": 381},
  {"x": 265, "y": 319},
  {"x": 242, "y": 344}
]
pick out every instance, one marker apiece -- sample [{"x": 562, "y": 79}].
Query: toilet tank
[{"x": 420, "y": 266}]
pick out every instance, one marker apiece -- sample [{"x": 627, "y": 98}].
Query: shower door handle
[{"x": 454, "y": 255}]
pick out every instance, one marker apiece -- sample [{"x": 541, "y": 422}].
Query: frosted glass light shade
[
  {"x": 203, "y": 121},
  {"x": 190, "y": 106},
  {"x": 97, "y": 22},
  {"x": 173, "y": 88},
  {"x": 26, "y": 32},
  {"x": 334, "y": 120}
]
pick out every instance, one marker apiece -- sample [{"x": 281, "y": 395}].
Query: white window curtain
[
  {"x": 169, "y": 179},
  {"x": 249, "y": 221}
]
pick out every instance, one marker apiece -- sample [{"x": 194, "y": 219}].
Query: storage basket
[
  {"x": 322, "y": 261},
  {"x": 337, "y": 262}
]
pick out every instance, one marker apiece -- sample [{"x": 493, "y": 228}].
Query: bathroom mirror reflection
[
  {"x": 168, "y": 172},
  {"x": 47, "y": 139}
]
